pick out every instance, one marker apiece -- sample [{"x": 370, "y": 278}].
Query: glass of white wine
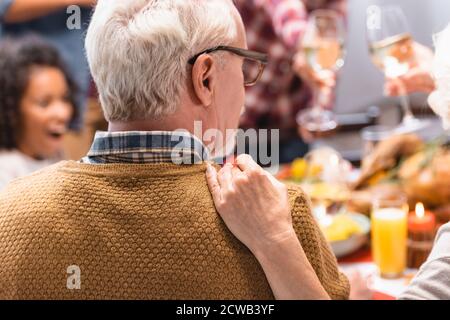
[
  {"x": 323, "y": 48},
  {"x": 392, "y": 50}
]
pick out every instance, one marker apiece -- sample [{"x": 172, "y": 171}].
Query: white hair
[
  {"x": 439, "y": 100},
  {"x": 138, "y": 51}
]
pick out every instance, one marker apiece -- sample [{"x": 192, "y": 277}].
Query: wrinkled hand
[
  {"x": 251, "y": 202},
  {"x": 418, "y": 78}
]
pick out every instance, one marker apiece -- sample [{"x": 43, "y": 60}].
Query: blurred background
[
  {"x": 50, "y": 111},
  {"x": 360, "y": 82}
]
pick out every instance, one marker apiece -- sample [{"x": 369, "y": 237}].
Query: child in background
[{"x": 37, "y": 103}]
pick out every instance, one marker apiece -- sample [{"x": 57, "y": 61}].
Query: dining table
[{"x": 382, "y": 289}]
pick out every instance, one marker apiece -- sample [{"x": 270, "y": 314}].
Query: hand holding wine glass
[
  {"x": 322, "y": 55},
  {"x": 393, "y": 51},
  {"x": 325, "y": 81},
  {"x": 419, "y": 78}
]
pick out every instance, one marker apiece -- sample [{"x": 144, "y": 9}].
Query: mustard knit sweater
[{"x": 134, "y": 232}]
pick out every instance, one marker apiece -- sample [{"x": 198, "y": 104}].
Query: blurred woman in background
[
  {"x": 277, "y": 27},
  {"x": 37, "y": 103},
  {"x": 63, "y": 25}
]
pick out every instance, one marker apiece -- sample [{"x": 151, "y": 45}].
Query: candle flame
[{"x": 420, "y": 210}]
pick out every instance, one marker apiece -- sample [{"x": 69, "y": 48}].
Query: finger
[
  {"x": 307, "y": 136},
  {"x": 240, "y": 179},
  {"x": 213, "y": 183},
  {"x": 247, "y": 164},
  {"x": 420, "y": 80},
  {"x": 226, "y": 178},
  {"x": 327, "y": 82},
  {"x": 390, "y": 89},
  {"x": 304, "y": 70},
  {"x": 326, "y": 97},
  {"x": 326, "y": 78},
  {"x": 300, "y": 64},
  {"x": 236, "y": 173},
  {"x": 400, "y": 86}
]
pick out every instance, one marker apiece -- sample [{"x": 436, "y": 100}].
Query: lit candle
[
  {"x": 422, "y": 226},
  {"x": 421, "y": 220}
]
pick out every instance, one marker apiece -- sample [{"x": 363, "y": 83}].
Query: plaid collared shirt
[
  {"x": 146, "y": 147},
  {"x": 276, "y": 27}
]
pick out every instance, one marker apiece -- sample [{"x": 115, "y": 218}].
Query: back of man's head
[{"x": 138, "y": 51}]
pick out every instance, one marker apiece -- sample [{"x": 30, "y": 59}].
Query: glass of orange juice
[{"x": 389, "y": 235}]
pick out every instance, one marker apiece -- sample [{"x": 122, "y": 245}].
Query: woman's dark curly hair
[{"x": 17, "y": 57}]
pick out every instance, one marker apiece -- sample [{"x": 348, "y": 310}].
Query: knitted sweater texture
[{"x": 135, "y": 231}]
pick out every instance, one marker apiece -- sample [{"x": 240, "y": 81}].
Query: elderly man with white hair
[{"x": 134, "y": 219}]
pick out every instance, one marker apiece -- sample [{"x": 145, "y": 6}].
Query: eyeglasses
[{"x": 252, "y": 67}]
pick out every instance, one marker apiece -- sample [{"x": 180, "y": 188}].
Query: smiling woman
[{"x": 36, "y": 105}]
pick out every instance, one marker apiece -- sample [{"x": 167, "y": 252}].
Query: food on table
[
  {"x": 341, "y": 228},
  {"x": 320, "y": 165},
  {"x": 327, "y": 165},
  {"x": 298, "y": 169},
  {"x": 322, "y": 174},
  {"x": 402, "y": 164},
  {"x": 301, "y": 170},
  {"x": 425, "y": 177},
  {"x": 362, "y": 200},
  {"x": 386, "y": 156},
  {"x": 322, "y": 191},
  {"x": 377, "y": 178},
  {"x": 420, "y": 170}
]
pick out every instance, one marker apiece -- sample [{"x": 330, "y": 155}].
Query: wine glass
[
  {"x": 392, "y": 50},
  {"x": 323, "y": 48}
]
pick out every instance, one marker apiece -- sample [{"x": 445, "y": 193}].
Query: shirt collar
[{"x": 179, "y": 147}]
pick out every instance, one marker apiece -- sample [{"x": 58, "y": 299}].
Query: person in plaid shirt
[{"x": 276, "y": 27}]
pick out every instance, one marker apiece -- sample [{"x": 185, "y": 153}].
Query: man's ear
[{"x": 204, "y": 78}]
